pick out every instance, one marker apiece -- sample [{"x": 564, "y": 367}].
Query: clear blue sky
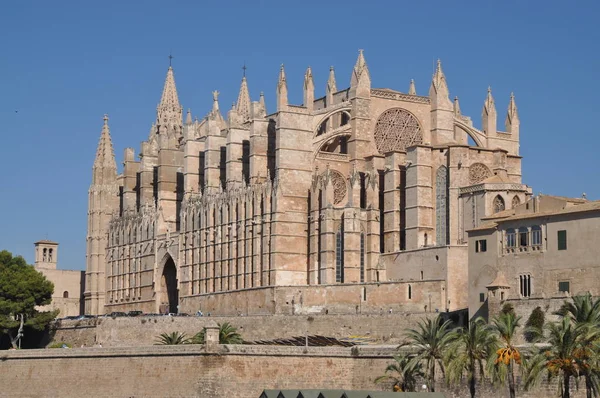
[{"x": 66, "y": 63}]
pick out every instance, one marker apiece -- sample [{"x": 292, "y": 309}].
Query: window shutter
[{"x": 562, "y": 240}]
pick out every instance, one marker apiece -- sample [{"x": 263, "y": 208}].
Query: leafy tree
[
  {"x": 174, "y": 338},
  {"x": 470, "y": 353},
  {"x": 431, "y": 339},
  {"x": 404, "y": 373},
  {"x": 581, "y": 309},
  {"x": 506, "y": 325},
  {"x": 534, "y": 325},
  {"x": 228, "y": 334},
  {"x": 507, "y": 308},
  {"x": 22, "y": 289}
]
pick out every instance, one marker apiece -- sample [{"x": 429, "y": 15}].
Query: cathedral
[{"x": 356, "y": 201}]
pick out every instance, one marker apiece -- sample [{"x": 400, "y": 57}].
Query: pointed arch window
[
  {"x": 362, "y": 256},
  {"x": 498, "y": 204},
  {"x": 441, "y": 206},
  {"x": 339, "y": 256},
  {"x": 515, "y": 202}
]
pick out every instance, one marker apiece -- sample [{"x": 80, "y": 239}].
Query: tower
[
  {"x": 102, "y": 201},
  {"x": 46, "y": 254}
]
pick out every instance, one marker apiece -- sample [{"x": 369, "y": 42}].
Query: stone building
[
  {"x": 358, "y": 200},
  {"x": 537, "y": 254},
  {"x": 68, "y": 285}
]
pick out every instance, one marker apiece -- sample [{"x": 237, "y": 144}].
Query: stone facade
[
  {"x": 360, "y": 186},
  {"x": 543, "y": 251},
  {"x": 215, "y": 371},
  {"x": 68, "y": 285}
]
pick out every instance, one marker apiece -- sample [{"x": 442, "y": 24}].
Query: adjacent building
[
  {"x": 539, "y": 252},
  {"x": 358, "y": 200},
  {"x": 68, "y": 285}
]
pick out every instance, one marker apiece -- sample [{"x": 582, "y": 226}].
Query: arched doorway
[{"x": 169, "y": 286}]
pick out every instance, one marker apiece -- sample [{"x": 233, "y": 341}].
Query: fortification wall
[
  {"x": 347, "y": 298},
  {"x": 139, "y": 331},
  {"x": 193, "y": 371}
]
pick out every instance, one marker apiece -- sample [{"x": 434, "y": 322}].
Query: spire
[
  {"x": 488, "y": 115},
  {"x": 512, "y": 113},
  {"x": 282, "y": 97},
  {"x": 456, "y": 107},
  {"x": 331, "y": 87},
  {"x": 411, "y": 88},
  {"x": 243, "y": 101},
  {"x": 360, "y": 73},
  {"x": 188, "y": 117},
  {"x": 169, "y": 111},
  {"x": 105, "y": 154},
  {"x": 512, "y": 116},
  {"x": 439, "y": 79},
  {"x": 489, "y": 105},
  {"x": 309, "y": 89}
]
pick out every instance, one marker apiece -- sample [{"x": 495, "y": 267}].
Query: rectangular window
[
  {"x": 536, "y": 236},
  {"x": 510, "y": 239},
  {"x": 362, "y": 257},
  {"x": 564, "y": 286},
  {"x": 562, "y": 240},
  {"x": 523, "y": 241},
  {"x": 481, "y": 246},
  {"x": 525, "y": 285},
  {"x": 481, "y": 297}
]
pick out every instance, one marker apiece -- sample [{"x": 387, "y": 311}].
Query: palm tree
[
  {"x": 431, "y": 340},
  {"x": 506, "y": 325},
  {"x": 228, "y": 334},
  {"x": 470, "y": 352},
  {"x": 584, "y": 312},
  {"x": 403, "y": 373},
  {"x": 564, "y": 357},
  {"x": 174, "y": 338}
]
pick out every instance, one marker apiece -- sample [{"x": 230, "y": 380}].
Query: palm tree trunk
[
  {"x": 432, "y": 377},
  {"x": 588, "y": 386},
  {"x": 511, "y": 380},
  {"x": 472, "y": 379},
  {"x": 566, "y": 386}
]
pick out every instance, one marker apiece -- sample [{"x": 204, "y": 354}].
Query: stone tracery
[
  {"x": 339, "y": 186},
  {"x": 397, "y": 129},
  {"x": 478, "y": 172}
]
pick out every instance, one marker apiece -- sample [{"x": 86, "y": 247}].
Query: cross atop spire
[
  {"x": 244, "y": 69},
  {"x": 170, "y": 59}
]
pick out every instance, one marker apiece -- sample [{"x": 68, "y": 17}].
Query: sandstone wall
[
  {"x": 143, "y": 330},
  {"x": 192, "y": 371}
]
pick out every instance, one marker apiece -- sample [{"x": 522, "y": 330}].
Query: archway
[{"x": 169, "y": 286}]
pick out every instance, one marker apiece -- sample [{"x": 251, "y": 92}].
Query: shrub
[
  {"x": 59, "y": 344},
  {"x": 508, "y": 308},
  {"x": 174, "y": 338},
  {"x": 534, "y": 324},
  {"x": 227, "y": 335}
]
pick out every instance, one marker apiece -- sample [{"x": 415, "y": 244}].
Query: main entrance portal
[{"x": 169, "y": 285}]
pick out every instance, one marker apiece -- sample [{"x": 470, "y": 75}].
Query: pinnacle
[
  {"x": 105, "y": 155},
  {"x": 243, "y": 101},
  {"x": 169, "y": 96},
  {"x": 282, "y": 78},
  {"x": 411, "y": 88},
  {"x": 360, "y": 68},
  {"x": 169, "y": 111},
  {"x": 331, "y": 84}
]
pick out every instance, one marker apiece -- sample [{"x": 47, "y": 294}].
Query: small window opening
[
  {"x": 481, "y": 297},
  {"x": 421, "y": 275},
  {"x": 65, "y": 294},
  {"x": 481, "y": 246},
  {"x": 409, "y": 292},
  {"x": 564, "y": 287}
]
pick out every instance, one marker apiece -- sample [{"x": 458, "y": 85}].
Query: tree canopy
[{"x": 22, "y": 289}]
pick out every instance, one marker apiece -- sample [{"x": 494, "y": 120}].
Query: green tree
[
  {"x": 506, "y": 325},
  {"x": 404, "y": 373},
  {"x": 174, "y": 338},
  {"x": 228, "y": 334},
  {"x": 22, "y": 289},
  {"x": 470, "y": 353},
  {"x": 431, "y": 339},
  {"x": 534, "y": 325}
]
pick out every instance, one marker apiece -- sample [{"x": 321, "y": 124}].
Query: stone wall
[
  {"x": 371, "y": 298},
  {"x": 143, "y": 330},
  {"x": 192, "y": 371}
]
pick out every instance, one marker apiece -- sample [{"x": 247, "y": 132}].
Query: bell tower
[{"x": 46, "y": 254}]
